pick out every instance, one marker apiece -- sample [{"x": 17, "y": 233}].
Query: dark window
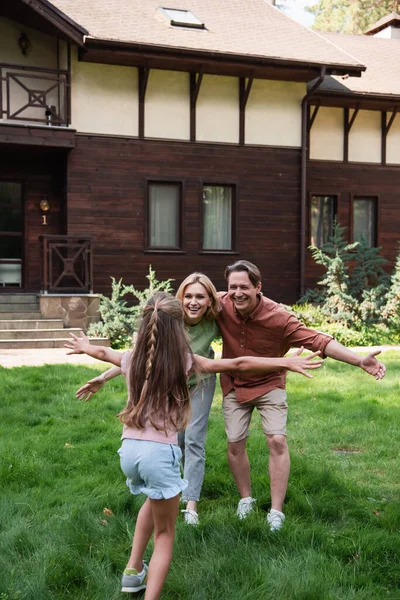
[
  {"x": 218, "y": 217},
  {"x": 323, "y": 212},
  {"x": 364, "y": 220},
  {"x": 164, "y": 216}
]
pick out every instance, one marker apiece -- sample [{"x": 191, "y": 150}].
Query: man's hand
[
  {"x": 77, "y": 345},
  {"x": 300, "y": 364},
  {"x": 372, "y": 366},
  {"x": 91, "y": 387}
]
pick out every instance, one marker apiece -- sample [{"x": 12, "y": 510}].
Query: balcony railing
[
  {"x": 67, "y": 264},
  {"x": 33, "y": 94}
]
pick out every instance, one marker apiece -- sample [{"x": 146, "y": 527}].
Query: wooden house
[{"x": 185, "y": 136}]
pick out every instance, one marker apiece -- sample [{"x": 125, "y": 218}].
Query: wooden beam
[
  {"x": 195, "y": 85},
  {"x": 348, "y": 124},
  {"x": 312, "y": 117},
  {"x": 244, "y": 92},
  {"x": 391, "y": 120},
  {"x": 143, "y": 80}
]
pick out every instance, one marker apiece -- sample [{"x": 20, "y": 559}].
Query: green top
[{"x": 201, "y": 336}]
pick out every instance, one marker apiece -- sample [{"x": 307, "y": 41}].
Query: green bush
[{"x": 118, "y": 319}]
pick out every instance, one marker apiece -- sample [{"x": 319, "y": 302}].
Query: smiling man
[{"x": 253, "y": 325}]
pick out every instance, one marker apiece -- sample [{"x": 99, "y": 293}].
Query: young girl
[
  {"x": 200, "y": 307},
  {"x": 157, "y": 408}
]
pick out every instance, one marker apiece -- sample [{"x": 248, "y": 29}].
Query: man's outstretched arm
[{"x": 368, "y": 363}]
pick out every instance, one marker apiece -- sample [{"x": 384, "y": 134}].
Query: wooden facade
[{"x": 95, "y": 167}]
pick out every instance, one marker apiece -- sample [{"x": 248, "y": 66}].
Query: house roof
[
  {"x": 378, "y": 54},
  {"x": 252, "y": 28},
  {"x": 386, "y": 21}
]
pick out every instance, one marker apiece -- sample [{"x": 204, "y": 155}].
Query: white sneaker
[
  {"x": 191, "y": 517},
  {"x": 245, "y": 507},
  {"x": 275, "y": 519}
]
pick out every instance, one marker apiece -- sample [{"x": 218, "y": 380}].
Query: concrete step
[
  {"x": 18, "y": 316},
  {"x": 11, "y": 307},
  {"x": 31, "y": 324},
  {"x": 45, "y": 343},
  {"x": 34, "y": 334},
  {"x": 21, "y": 298}
]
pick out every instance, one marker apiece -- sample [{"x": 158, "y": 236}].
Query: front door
[{"x": 11, "y": 236}]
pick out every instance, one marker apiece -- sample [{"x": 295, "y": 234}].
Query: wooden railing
[
  {"x": 33, "y": 94},
  {"x": 67, "y": 264}
]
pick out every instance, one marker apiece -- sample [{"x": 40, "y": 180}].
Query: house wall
[
  {"x": 348, "y": 180},
  {"x": 107, "y": 194},
  {"x": 270, "y": 104},
  {"x": 327, "y": 135},
  {"x": 217, "y": 110},
  {"x": 393, "y": 141},
  {"x": 167, "y": 105},
  {"x": 365, "y": 137},
  {"x": 104, "y": 98}
]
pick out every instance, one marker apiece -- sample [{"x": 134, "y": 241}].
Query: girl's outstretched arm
[
  {"x": 94, "y": 385},
  {"x": 255, "y": 364},
  {"x": 81, "y": 345}
]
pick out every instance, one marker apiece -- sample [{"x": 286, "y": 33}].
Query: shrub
[{"x": 118, "y": 319}]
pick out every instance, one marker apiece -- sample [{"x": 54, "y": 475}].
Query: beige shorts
[{"x": 271, "y": 406}]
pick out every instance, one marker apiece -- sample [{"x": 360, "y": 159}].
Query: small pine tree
[
  {"x": 118, "y": 320},
  {"x": 391, "y": 311},
  {"x": 368, "y": 272}
]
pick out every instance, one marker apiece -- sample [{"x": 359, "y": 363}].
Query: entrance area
[{"x": 11, "y": 235}]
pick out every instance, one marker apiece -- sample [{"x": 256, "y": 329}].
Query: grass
[{"x": 59, "y": 470}]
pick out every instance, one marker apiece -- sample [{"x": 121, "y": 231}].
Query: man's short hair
[{"x": 244, "y": 265}]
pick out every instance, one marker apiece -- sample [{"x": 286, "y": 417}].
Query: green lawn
[{"x": 60, "y": 470}]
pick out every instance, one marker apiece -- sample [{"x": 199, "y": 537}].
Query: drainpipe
[{"x": 303, "y": 189}]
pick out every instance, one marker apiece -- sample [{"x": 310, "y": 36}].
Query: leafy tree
[
  {"x": 350, "y": 16},
  {"x": 118, "y": 319},
  {"x": 391, "y": 312}
]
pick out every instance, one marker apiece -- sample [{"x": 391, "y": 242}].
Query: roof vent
[{"x": 181, "y": 18}]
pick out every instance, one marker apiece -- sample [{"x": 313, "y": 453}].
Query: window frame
[
  {"x": 234, "y": 206},
  {"x": 353, "y": 199},
  {"x": 335, "y": 196},
  {"x": 176, "y": 23},
  {"x": 147, "y": 215}
]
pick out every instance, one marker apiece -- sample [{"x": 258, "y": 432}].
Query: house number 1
[{"x": 44, "y": 220}]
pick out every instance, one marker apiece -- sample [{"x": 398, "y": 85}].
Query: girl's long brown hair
[{"x": 157, "y": 377}]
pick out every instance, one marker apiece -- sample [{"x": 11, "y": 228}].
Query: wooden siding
[
  {"x": 41, "y": 172},
  {"x": 347, "y": 181},
  {"x": 107, "y": 180}
]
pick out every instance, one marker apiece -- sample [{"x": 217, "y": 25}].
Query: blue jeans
[{"x": 192, "y": 441}]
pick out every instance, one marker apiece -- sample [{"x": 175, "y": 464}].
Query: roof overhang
[
  {"x": 212, "y": 62},
  {"x": 367, "y": 101},
  {"x": 48, "y": 16}
]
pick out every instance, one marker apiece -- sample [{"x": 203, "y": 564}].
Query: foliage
[
  {"x": 118, "y": 319},
  {"x": 350, "y": 16},
  {"x": 391, "y": 311},
  {"x": 353, "y": 303},
  {"x": 356, "y": 296}
]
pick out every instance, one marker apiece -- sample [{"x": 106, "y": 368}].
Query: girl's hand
[
  {"x": 299, "y": 364},
  {"x": 91, "y": 387},
  {"x": 77, "y": 345}
]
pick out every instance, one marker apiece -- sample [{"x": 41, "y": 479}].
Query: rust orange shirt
[{"x": 268, "y": 331}]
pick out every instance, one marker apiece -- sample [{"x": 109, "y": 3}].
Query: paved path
[{"x": 52, "y": 356}]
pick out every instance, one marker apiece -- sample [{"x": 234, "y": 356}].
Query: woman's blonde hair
[
  {"x": 157, "y": 371},
  {"x": 213, "y": 310}
]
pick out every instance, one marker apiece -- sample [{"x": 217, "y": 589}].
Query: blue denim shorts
[{"x": 152, "y": 468}]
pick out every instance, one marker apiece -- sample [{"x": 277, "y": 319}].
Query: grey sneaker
[
  {"x": 245, "y": 507},
  {"x": 191, "y": 517},
  {"x": 275, "y": 519},
  {"x": 132, "y": 581}
]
